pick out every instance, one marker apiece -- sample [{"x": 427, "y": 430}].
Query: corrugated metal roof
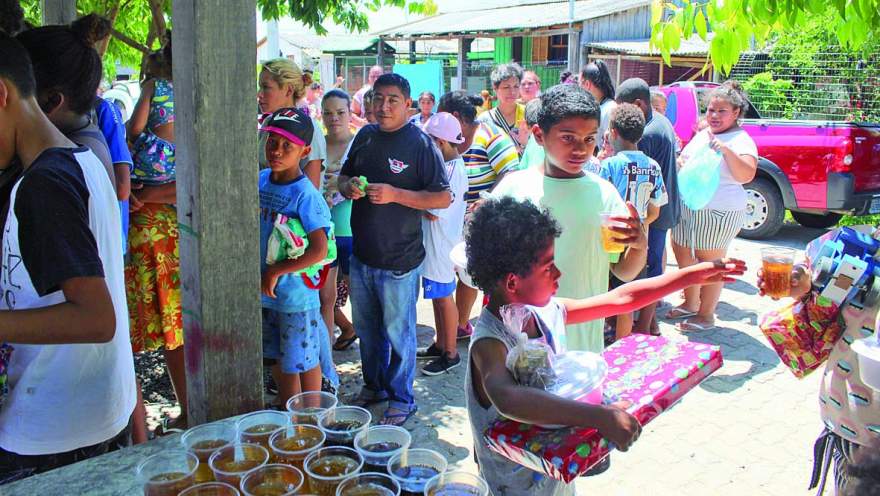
[
  {"x": 692, "y": 47},
  {"x": 509, "y": 18}
]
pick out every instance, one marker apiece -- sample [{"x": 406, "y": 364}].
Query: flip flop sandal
[
  {"x": 694, "y": 326},
  {"x": 397, "y": 419},
  {"x": 679, "y": 313},
  {"x": 343, "y": 344}
]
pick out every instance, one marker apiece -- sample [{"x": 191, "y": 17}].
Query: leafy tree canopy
[
  {"x": 735, "y": 23},
  {"x": 139, "y": 24}
]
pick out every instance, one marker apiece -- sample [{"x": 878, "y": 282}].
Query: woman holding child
[{"x": 705, "y": 234}]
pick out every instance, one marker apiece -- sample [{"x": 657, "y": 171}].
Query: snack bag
[
  {"x": 530, "y": 361},
  {"x": 804, "y": 332},
  {"x": 289, "y": 240}
]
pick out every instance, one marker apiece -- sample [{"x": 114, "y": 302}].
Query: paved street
[{"x": 747, "y": 430}]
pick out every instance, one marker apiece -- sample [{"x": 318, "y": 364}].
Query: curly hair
[
  {"x": 629, "y": 122},
  {"x": 506, "y": 236},
  {"x": 564, "y": 101},
  {"x": 532, "y": 110}
]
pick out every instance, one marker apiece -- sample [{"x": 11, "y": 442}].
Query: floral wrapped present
[{"x": 652, "y": 372}]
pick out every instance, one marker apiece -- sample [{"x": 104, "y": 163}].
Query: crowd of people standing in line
[{"x": 391, "y": 192}]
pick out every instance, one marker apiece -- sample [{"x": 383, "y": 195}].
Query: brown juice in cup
[
  {"x": 299, "y": 441},
  {"x": 609, "y": 241},
  {"x": 203, "y": 450},
  {"x": 777, "y": 264},
  {"x": 259, "y": 434},
  {"x": 330, "y": 466},
  {"x": 168, "y": 484}
]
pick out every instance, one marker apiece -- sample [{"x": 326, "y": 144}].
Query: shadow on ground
[{"x": 736, "y": 346}]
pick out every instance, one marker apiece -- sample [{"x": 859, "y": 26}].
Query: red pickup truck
[{"x": 818, "y": 170}]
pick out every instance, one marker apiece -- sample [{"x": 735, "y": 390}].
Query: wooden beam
[
  {"x": 477, "y": 34},
  {"x": 661, "y": 72},
  {"x": 217, "y": 205},
  {"x": 58, "y": 11},
  {"x": 461, "y": 61}
]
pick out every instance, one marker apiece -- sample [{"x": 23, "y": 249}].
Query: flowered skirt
[{"x": 152, "y": 279}]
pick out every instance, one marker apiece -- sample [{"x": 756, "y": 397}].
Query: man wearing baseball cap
[{"x": 443, "y": 230}]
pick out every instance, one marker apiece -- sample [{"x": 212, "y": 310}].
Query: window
[{"x": 558, "y": 48}]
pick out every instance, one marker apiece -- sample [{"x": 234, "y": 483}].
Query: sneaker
[
  {"x": 464, "y": 332},
  {"x": 441, "y": 364},
  {"x": 430, "y": 353}
]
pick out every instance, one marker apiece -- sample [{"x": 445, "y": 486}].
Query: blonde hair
[{"x": 286, "y": 72}]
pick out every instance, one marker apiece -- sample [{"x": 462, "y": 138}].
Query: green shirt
[{"x": 576, "y": 204}]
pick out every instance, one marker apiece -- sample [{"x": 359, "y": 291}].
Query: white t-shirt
[
  {"x": 63, "y": 222},
  {"x": 443, "y": 234},
  {"x": 730, "y": 194},
  {"x": 359, "y": 97}
]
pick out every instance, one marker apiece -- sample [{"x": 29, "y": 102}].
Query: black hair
[
  {"x": 597, "y": 73},
  {"x": 498, "y": 225},
  {"x": 629, "y": 121},
  {"x": 634, "y": 89},
  {"x": 531, "y": 112},
  {"x": 368, "y": 95},
  {"x": 863, "y": 473},
  {"x": 15, "y": 65},
  {"x": 564, "y": 77},
  {"x": 427, "y": 94},
  {"x": 504, "y": 72},
  {"x": 65, "y": 60},
  {"x": 392, "y": 79},
  {"x": 11, "y": 17},
  {"x": 563, "y": 101},
  {"x": 459, "y": 101},
  {"x": 337, "y": 93}
]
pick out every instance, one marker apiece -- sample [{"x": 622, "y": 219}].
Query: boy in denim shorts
[{"x": 293, "y": 330}]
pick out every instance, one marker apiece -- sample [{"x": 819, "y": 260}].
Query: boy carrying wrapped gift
[
  {"x": 814, "y": 329},
  {"x": 510, "y": 251}
]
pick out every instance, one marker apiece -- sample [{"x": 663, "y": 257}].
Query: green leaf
[
  {"x": 672, "y": 36},
  {"x": 656, "y": 12},
  {"x": 701, "y": 25}
]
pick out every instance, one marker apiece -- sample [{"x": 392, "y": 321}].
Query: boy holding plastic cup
[{"x": 568, "y": 122}]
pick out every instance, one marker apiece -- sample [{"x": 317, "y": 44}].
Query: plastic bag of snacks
[
  {"x": 530, "y": 361},
  {"x": 289, "y": 241}
]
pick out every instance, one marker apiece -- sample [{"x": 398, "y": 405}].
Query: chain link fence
[{"x": 831, "y": 85}]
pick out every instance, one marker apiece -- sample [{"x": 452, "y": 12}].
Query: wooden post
[
  {"x": 661, "y": 74},
  {"x": 380, "y": 55},
  {"x": 217, "y": 205},
  {"x": 412, "y": 51},
  {"x": 461, "y": 61},
  {"x": 58, "y": 11},
  {"x": 619, "y": 63}
]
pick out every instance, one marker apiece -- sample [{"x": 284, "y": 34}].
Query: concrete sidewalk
[{"x": 747, "y": 430}]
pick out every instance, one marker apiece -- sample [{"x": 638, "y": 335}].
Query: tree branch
[{"x": 128, "y": 41}]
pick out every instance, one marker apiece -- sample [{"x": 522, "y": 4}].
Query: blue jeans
[{"x": 384, "y": 314}]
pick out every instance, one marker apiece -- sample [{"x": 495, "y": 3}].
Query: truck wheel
[
  {"x": 819, "y": 221},
  {"x": 764, "y": 210}
]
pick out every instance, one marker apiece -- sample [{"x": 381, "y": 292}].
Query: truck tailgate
[{"x": 865, "y": 165}]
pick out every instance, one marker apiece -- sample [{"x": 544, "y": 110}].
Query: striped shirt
[{"x": 491, "y": 155}]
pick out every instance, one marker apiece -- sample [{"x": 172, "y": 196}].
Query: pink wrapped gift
[{"x": 652, "y": 372}]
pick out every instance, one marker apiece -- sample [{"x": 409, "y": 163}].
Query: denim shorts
[
  {"x": 293, "y": 338},
  {"x": 434, "y": 290}
]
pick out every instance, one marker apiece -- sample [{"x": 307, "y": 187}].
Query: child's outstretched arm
[
  {"x": 316, "y": 251},
  {"x": 637, "y": 294},
  {"x": 536, "y": 406}
]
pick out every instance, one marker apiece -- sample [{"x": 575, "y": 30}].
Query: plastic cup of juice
[
  {"x": 204, "y": 440},
  {"x": 609, "y": 238},
  {"x": 232, "y": 462},
  {"x": 167, "y": 473},
  {"x": 777, "y": 264}
]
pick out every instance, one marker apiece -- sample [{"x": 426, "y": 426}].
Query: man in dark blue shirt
[
  {"x": 658, "y": 142},
  {"x": 404, "y": 175}
]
